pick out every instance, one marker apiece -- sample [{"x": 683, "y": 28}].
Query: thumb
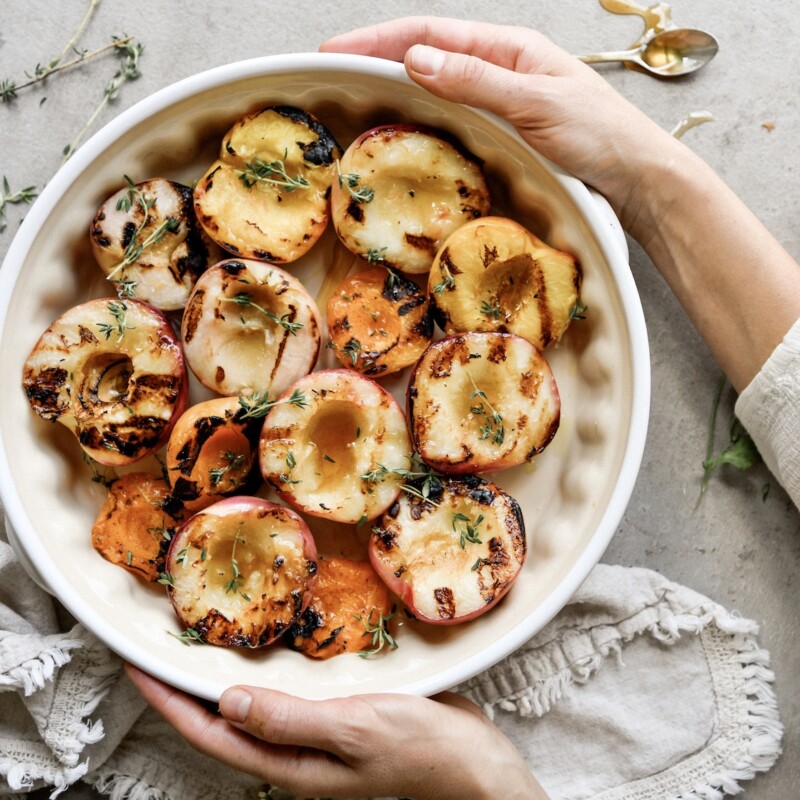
[{"x": 467, "y": 79}]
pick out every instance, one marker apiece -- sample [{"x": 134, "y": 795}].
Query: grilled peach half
[
  {"x": 482, "y": 401},
  {"x": 266, "y": 197},
  {"x": 349, "y": 606},
  {"x": 379, "y": 322},
  {"x": 492, "y": 274},
  {"x": 211, "y": 451},
  {"x": 148, "y": 242},
  {"x": 136, "y": 524},
  {"x": 330, "y": 430},
  {"x": 112, "y": 372},
  {"x": 241, "y": 571},
  {"x": 453, "y": 556},
  {"x": 401, "y": 191},
  {"x": 250, "y": 326}
]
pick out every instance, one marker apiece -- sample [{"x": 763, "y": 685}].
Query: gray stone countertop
[{"x": 735, "y": 547}]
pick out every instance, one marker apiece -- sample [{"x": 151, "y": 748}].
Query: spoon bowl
[{"x": 669, "y": 54}]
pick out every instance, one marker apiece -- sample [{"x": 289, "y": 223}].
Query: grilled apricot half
[
  {"x": 241, "y": 571},
  {"x": 379, "y": 322},
  {"x": 266, "y": 197},
  {"x": 112, "y": 372},
  {"x": 350, "y": 604},
  {"x": 248, "y": 327},
  {"x": 148, "y": 242},
  {"x": 211, "y": 451},
  {"x": 329, "y": 431},
  {"x": 401, "y": 190},
  {"x": 494, "y": 275},
  {"x": 482, "y": 401},
  {"x": 453, "y": 556}
]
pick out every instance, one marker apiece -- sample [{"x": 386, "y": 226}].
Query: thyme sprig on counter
[
  {"x": 9, "y": 88},
  {"x": 129, "y": 51},
  {"x": 7, "y": 197}
]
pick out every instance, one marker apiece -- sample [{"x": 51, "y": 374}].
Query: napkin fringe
[
  {"x": 21, "y": 777},
  {"x": 32, "y": 675},
  {"x": 126, "y": 787}
]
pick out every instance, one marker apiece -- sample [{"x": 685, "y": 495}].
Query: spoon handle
[{"x": 613, "y": 55}]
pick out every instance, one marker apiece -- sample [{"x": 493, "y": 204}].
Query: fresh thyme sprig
[
  {"x": 377, "y": 630},
  {"x": 97, "y": 475},
  {"x": 236, "y": 576},
  {"x": 262, "y": 171},
  {"x": 351, "y": 181},
  {"x": 447, "y": 281},
  {"x": 235, "y": 460},
  {"x": 578, "y": 311},
  {"x": 466, "y": 529},
  {"x": 134, "y": 196},
  {"x": 119, "y": 311},
  {"x": 25, "y": 195},
  {"x": 493, "y": 426},
  {"x": 130, "y": 51},
  {"x": 352, "y": 349},
  {"x": 256, "y": 405},
  {"x": 246, "y": 301},
  {"x": 490, "y": 310},
  {"x": 9, "y": 88},
  {"x": 375, "y": 255},
  {"x": 188, "y": 637}
]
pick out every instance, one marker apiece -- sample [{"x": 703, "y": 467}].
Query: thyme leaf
[
  {"x": 258, "y": 404},
  {"x": 260, "y": 171},
  {"x": 376, "y": 629},
  {"x": 246, "y": 301}
]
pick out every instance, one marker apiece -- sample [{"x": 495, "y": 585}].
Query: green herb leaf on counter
[
  {"x": 741, "y": 452},
  {"x": 25, "y": 195}
]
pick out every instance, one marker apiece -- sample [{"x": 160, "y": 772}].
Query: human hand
[
  {"x": 561, "y": 107},
  {"x": 362, "y": 746}
]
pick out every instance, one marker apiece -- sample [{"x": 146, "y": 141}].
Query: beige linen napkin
[{"x": 639, "y": 689}]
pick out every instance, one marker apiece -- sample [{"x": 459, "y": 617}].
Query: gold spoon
[{"x": 669, "y": 54}]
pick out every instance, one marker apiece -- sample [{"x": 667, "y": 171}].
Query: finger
[
  {"x": 505, "y": 46},
  {"x": 474, "y": 82},
  {"x": 298, "y": 769},
  {"x": 287, "y": 720}
]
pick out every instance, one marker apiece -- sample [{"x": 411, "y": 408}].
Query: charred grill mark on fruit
[
  {"x": 445, "y": 602},
  {"x": 325, "y": 150},
  {"x": 325, "y": 643},
  {"x": 386, "y": 536},
  {"x": 163, "y": 386},
  {"x": 421, "y": 242},
  {"x": 542, "y": 304},
  {"x": 145, "y": 433},
  {"x": 305, "y": 625},
  {"x": 205, "y": 428},
  {"x": 497, "y": 351},
  {"x": 424, "y": 328},
  {"x": 86, "y": 335},
  {"x": 399, "y": 288},
  {"x": 489, "y": 255},
  {"x": 43, "y": 389},
  {"x": 411, "y": 305},
  {"x": 355, "y": 210},
  {"x": 193, "y": 314},
  {"x": 219, "y": 374}
]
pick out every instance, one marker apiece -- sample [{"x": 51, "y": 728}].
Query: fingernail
[
  {"x": 426, "y": 60},
  {"x": 235, "y": 704}
]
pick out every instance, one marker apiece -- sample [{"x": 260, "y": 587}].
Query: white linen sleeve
[{"x": 769, "y": 408}]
